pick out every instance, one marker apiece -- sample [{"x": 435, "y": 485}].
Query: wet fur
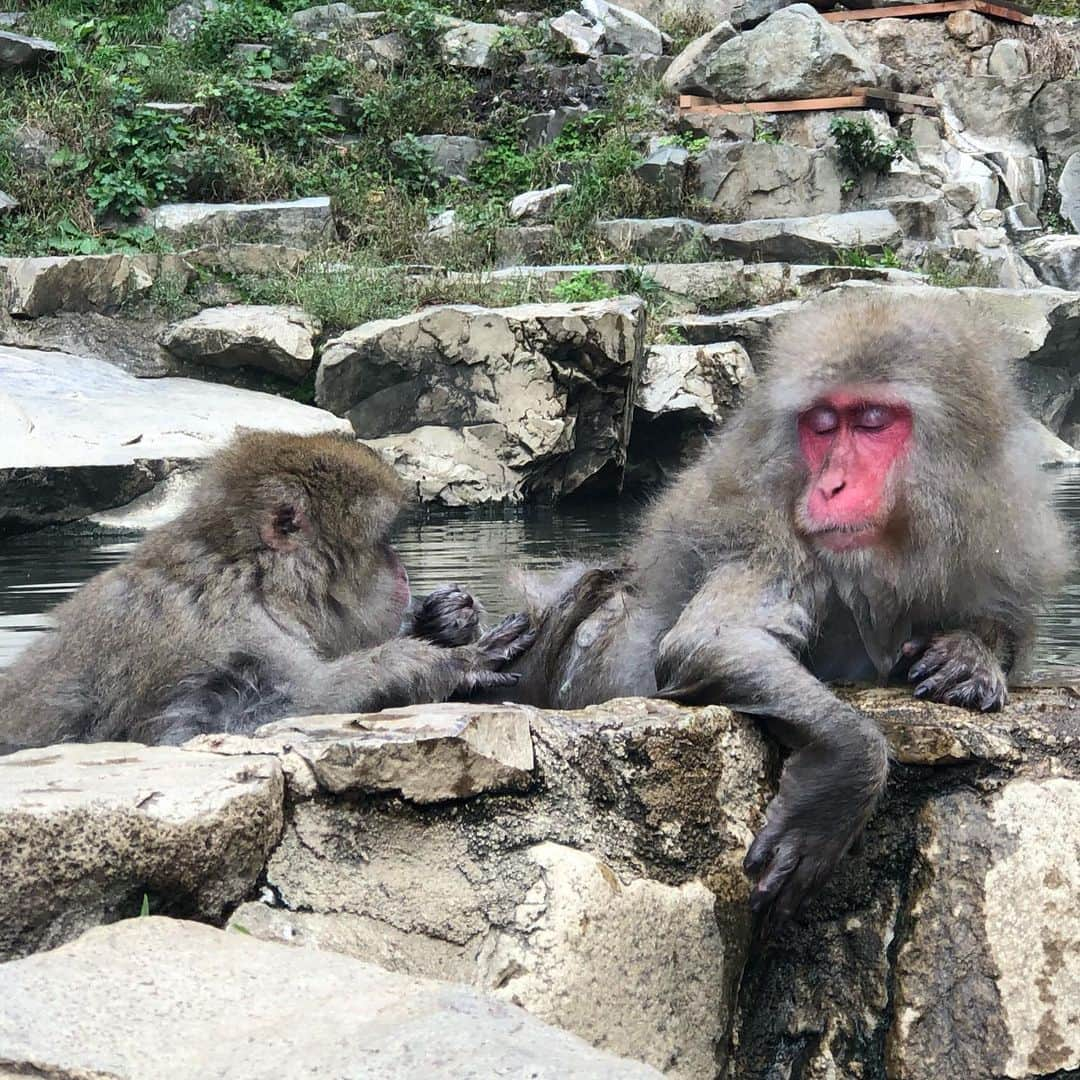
[{"x": 719, "y": 599}]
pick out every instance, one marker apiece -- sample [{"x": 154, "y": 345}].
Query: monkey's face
[{"x": 852, "y": 442}]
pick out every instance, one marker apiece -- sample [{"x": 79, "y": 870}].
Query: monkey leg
[{"x": 959, "y": 668}]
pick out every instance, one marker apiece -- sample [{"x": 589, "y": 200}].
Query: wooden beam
[
  {"x": 996, "y": 8},
  {"x": 850, "y": 101},
  {"x": 902, "y": 11}
]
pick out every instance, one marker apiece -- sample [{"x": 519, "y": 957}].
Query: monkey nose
[{"x": 831, "y": 484}]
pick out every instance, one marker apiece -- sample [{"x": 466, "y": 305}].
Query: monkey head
[
  {"x": 878, "y": 413},
  {"x": 312, "y": 516}
]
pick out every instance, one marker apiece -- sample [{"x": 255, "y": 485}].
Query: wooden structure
[
  {"x": 868, "y": 97},
  {"x": 998, "y": 9}
]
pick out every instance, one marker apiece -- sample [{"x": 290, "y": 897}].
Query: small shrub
[
  {"x": 861, "y": 258},
  {"x": 582, "y": 286},
  {"x": 860, "y": 150},
  {"x": 140, "y": 164}
]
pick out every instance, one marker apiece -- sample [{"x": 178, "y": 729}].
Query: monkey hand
[
  {"x": 500, "y": 645},
  {"x": 447, "y": 616},
  {"x": 958, "y": 669},
  {"x": 827, "y": 793}
]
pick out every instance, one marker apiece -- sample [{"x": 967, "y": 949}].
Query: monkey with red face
[
  {"x": 275, "y": 592},
  {"x": 875, "y": 510}
]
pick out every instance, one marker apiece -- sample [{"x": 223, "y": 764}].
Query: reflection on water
[{"x": 475, "y": 548}]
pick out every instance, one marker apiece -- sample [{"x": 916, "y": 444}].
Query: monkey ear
[{"x": 284, "y": 526}]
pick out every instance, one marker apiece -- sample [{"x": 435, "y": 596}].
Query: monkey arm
[
  {"x": 735, "y": 644},
  {"x": 408, "y": 671}
]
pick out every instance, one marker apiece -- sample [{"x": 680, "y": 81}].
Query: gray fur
[
  {"x": 719, "y": 599},
  {"x": 275, "y": 592}
]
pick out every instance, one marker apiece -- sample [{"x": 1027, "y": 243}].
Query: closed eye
[{"x": 874, "y": 418}]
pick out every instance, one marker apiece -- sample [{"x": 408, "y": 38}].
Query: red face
[{"x": 851, "y": 443}]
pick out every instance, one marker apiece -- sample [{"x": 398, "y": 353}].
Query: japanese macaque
[
  {"x": 875, "y": 510},
  {"x": 275, "y": 592}
]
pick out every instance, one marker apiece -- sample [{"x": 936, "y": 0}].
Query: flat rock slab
[
  {"x": 87, "y": 829},
  {"x": 301, "y": 223},
  {"x": 427, "y": 753},
  {"x": 78, "y": 435},
  {"x": 17, "y": 50},
  {"x": 107, "y": 1005},
  {"x": 52, "y": 284}
]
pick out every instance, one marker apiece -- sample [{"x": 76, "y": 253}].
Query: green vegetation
[
  {"x": 280, "y": 116},
  {"x": 860, "y": 257},
  {"x": 861, "y": 151},
  {"x": 583, "y": 286}
]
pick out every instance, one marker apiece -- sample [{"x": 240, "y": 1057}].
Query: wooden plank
[
  {"x": 688, "y": 101},
  {"x": 1011, "y": 12},
  {"x": 850, "y": 101},
  {"x": 901, "y": 11},
  {"x": 995, "y": 8}
]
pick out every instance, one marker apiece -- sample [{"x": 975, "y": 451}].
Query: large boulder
[
  {"x": 546, "y": 388},
  {"x": 470, "y": 45},
  {"x": 987, "y": 978},
  {"x": 792, "y": 54},
  {"x": 625, "y": 31},
  {"x": 197, "y": 1001},
  {"x": 918, "y": 53},
  {"x": 87, "y": 830},
  {"x": 1069, "y": 189},
  {"x": 575, "y": 898},
  {"x": 278, "y": 339},
  {"x": 1055, "y": 117},
  {"x": 449, "y": 155},
  {"x": 79, "y": 435},
  {"x": 1055, "y": 258},
  {"x": 687, "y": 73},
  {"x": 302, "y": 223},
  {"x": 987, "y": 114},
  {"x": 685, "y": 392},
  {"x": 76, "y": 283},
  {"x": 948, "y": 946},
  {"x": 751, "y": 180}
]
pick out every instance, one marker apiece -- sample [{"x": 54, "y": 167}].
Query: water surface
[{"x": 476, "y": 548}]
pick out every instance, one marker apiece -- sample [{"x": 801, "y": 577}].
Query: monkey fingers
[
  {"x": 959, "y": 669},
  {"x": 479, "y": 679},
  {"x": 447, "y": 616},
  {"x": 507, "y": 641},
  {"x": 787, "y": 864}
]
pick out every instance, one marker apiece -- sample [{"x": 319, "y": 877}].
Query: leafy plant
[
  {"x": 859, "y": 148},
  {"x": 582, "y": 286},
  {"x": 140, "y": 164},
  {"x": 860, "y": 257}
]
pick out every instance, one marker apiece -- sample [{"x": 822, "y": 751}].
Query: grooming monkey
[
  {"x": 875, "y": 510},
  {"x": 275, "y": 592}
]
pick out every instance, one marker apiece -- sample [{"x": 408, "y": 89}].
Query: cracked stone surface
[
  {"x": 252, "y": 1010},
  {"x": 544, "y": 392},
  {"x": 86, "y": 830},
  {"x": 988, "y": 980},
  {"x": 425, "y": 753},
  {"x": 637, "y": 807}
]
